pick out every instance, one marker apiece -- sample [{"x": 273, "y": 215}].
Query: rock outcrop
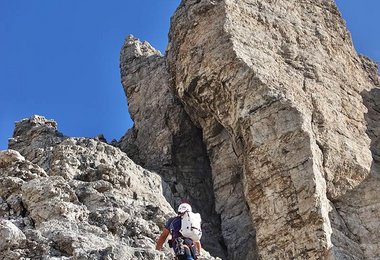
[
  {"x": 163, "y": 138},
  {"x": 261, "y": 114},
  {"x": 284, "y": 81},
  {"x": 289, "y": 116},
  {"x": 76, "y": 198}
]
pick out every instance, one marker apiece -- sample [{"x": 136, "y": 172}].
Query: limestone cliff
[
  {"x": 289, "y": 115},
  {"x": 261, "y": 114},
  {"x": 283, "y": 79},
  {"x": 164, "y": 139}
]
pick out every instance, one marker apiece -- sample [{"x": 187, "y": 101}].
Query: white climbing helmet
[{"x": 184, "y": 207}]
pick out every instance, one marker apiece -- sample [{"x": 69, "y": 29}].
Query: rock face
[
  {"x": 283, "y": 81},
  {"x": 289, "y": 115},
  {"x": 261, "y": 114},
  {"x": 163, "y": 138},
  {"x": 76, "y": 198}
]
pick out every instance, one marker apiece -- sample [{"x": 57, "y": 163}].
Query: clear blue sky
[{"x": 60, "y": 58}]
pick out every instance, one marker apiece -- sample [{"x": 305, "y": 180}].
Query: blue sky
[{"x": 60, "y": 58}]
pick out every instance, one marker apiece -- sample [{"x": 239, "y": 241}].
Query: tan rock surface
[
  {"x": 80, "y": 198},
  {"x": 261, "y": 114},
  {"x": 11, "y": 236},
  {"x": 284, "y": 81},
  {"x": 163, "y": 138}
]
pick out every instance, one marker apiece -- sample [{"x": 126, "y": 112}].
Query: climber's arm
[{"x": 161, "y": 240}]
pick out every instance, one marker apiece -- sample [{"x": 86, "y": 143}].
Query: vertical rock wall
[
  {"x": 163, "y": 138},
  {"x": 236, "y": 224},
  {"x": 283, "y": 81},
  {"x": 358, "y": 210}
]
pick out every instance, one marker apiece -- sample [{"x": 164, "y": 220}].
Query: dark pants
[
  {"x": 187, "y": 256},
  {"x": 188, "y": 251}
]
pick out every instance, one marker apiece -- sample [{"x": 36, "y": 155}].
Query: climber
[{"x": 184, "y": 247}]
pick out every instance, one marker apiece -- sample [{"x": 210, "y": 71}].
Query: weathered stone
[
  {"x": 163, "y": 138},
  {"x": 50, "y": 198},
  {"x": 11, "y": 236},
  {"x": 286, "y": 87},
  {"x": 80, "y": 199},
  {"x": 34, "y": 136},
  {"x": 261, "y": 114}
]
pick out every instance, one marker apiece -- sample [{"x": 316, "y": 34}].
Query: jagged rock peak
[
  {"x": 134, "y": 48},
  {"x": 34, "y": 122},
  {"x": 37, "y": 120}
]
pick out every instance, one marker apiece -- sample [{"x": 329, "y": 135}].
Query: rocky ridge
[
  {"x": 76, "y": 198},
  {"x": 261, "y": 114}
]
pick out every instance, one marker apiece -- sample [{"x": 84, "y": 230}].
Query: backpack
[{"x": 191, "y": 226}]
